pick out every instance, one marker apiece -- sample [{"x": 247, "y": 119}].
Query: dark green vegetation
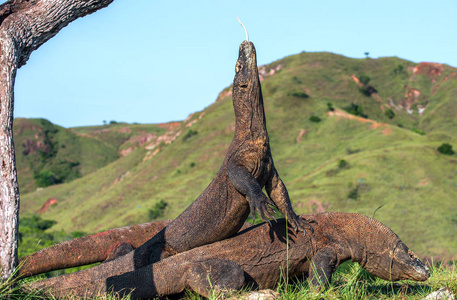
[
  {"x": 387, "y": 162},
  {"x": 158, "y": 210},
  {"x": 446, "y": 149},
  {"x": 355, "y": 110}
]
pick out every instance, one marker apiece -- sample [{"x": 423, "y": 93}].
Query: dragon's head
[
  {"x": 406, "y": 265},
  {"x": 401, "y": 264}
]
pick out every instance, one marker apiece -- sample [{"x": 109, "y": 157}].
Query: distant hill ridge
[
  {"x": 49, "y": 154},
  {"x": 347, "y": 134}
]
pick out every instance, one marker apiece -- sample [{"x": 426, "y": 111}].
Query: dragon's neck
[{"x": 250, "y": 114}]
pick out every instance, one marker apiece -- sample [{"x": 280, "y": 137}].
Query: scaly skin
[
  {"x": 86, "y": 250},
  {"x": 99, "y": 247},
  {"x": 221, "y": 210},
  {"x": 260, "y": 251}
]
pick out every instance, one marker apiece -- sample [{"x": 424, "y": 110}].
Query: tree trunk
[{"x": 25, "y": 25}]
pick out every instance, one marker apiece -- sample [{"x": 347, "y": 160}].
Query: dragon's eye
[{"x": 238, "y": 67}]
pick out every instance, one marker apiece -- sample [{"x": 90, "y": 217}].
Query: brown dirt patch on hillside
[
  {"x": 431, "y": 70},
  {"x": 374, "y": 125},
  {"x": 170, "y": 125}
]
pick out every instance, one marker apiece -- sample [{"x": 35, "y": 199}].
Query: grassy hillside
[
  {"x": 387, "y": 156},
  {"x": 48, "y": 154}
]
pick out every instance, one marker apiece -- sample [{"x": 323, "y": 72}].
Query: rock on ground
[
  {"x": 257, "y": 295},
  {"x": 442, "y": 294}
]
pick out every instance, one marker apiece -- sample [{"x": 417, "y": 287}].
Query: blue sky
[{"x": 150, "y": 61}]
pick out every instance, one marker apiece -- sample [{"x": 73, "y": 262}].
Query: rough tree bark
[{"x": 24, "y": 26}]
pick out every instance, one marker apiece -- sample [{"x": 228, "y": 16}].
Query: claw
[
  {"x": 271, "y": 203},
  {"x": 309, "y": 226},
  {"x": 269, "y": 214}
]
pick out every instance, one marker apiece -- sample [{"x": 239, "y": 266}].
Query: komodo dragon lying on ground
[
  {"x": 257, "y": 256},
  {"x": 86, "y": 250},
  {"x": 221, "y": 210},
  {"x": 99, "y": 247}
]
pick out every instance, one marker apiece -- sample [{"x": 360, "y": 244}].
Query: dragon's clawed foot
[
  {"x": 263, "y": 205},
  {"x": 300, "y": 223}
]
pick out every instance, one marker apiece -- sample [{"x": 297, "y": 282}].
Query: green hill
[
  {"x": 329, "y": 158},
  {"x": 48, "y": 154}
]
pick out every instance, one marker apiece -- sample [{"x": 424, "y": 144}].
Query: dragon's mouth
[{"x": 421, "y": 272}]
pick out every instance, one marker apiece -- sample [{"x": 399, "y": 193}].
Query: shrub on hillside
[
  {"x": 446, "y": 149},
  {"x": 315, "y": 119},
  {"x": 296, "y": 80},
  {"x": 189, "y": 135},
  {"x": 399, "y": 70},
  {"x": 390, "y": 113},
  {"x": 356, "y": 110},
  {"x": 330, "y": 106},
  {"x": 343, "y": 164},
  {"x": 46, "y": 178},
  {"x": 360, "y": 188},
  {"x": 418, "y": 131},
  {"x": 368, "y": 90},
  {"x": 158, "y": 210},
  {"x": 353, "y": 194},
  {"x": 299, "y": 94},
  {"x": 57, "y": 172},
  {"x": 365, "y": 89}
]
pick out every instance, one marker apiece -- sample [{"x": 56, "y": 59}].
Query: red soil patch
[
  {"x": 317, "y": 206},
  {"x": 356, "y": 80},
  {"x": 431, "y": 70},
  {"x": 423, "y": 182},
  {"x": 169, "y": 126},
  {"x": 300, "y": 136},
  {"x": 32, "y": 146},
  {"x": 453, "y": 74},
  {"x": 47, "y": 205},
  {"x": 387, "y": 130},
  {"x": 374, "y": 125},
  {"x": 138, "y": 141},
  {"x": 224, "y": 94}
]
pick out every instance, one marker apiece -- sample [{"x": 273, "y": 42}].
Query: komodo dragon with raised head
[
  {"x": 257, "y": 257},
  {"x": 223, "y": 207}
]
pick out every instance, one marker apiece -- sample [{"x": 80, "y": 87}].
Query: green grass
[{"x": 349, "y": 282}]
